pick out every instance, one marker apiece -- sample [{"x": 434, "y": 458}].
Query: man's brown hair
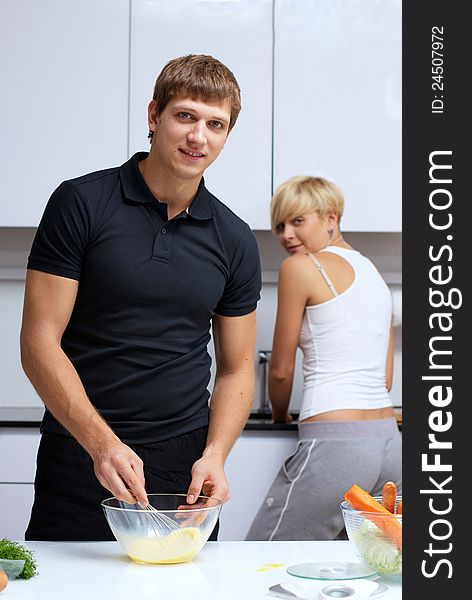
[{"x": 201, "y": 77}]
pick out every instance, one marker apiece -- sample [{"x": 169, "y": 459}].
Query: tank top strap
[{"x": 323, "y": 273}]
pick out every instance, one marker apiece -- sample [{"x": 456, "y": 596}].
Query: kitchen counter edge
[{"x": 31, "y": 417}]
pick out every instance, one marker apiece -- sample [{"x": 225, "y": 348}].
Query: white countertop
[{"x": 222, "y": 571}]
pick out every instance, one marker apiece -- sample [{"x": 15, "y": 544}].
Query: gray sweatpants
[{"x": 303, "y": 501}]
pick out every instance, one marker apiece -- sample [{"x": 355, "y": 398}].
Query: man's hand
[
  {"x": 208, "y": 479},
  {"x": 120, "y": 470}
]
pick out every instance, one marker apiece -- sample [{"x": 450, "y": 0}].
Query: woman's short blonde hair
[{"x": 304, "y": 194}]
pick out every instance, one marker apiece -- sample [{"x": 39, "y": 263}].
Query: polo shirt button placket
[{"x": 162, "y": 243}]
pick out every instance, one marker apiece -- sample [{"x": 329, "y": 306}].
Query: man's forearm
[
  {"x": 230, "y": 406},
  {"x": 59, "y": 386}
]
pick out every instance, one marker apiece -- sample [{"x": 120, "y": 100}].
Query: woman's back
[
  {"x": 331, "y": 302},
  {"x": 345, "y": 341}
]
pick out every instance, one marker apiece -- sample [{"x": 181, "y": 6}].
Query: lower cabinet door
[
  {"x": 250, "y": 469},
  {"x": 16, "y": 500}
]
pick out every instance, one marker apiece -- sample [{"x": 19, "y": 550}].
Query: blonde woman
[{"x": 334, "y": 305}]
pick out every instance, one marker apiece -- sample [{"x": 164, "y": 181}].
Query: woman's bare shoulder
[
  {"x": 298, "y": 274},
  {"x": 295, "y": 263}
]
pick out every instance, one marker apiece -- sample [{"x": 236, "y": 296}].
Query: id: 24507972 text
[{"x": 437, "y": 69}]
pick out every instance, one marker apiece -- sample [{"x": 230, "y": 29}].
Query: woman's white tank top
[{"x": 345, "y": 343}]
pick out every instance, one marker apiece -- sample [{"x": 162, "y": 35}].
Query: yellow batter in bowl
[{"x": 177, "y": 547}]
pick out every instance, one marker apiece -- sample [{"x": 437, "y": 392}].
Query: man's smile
[{"x": 191, "y": 154}]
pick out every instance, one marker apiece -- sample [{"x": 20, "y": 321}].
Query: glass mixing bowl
[
  {"x": 166, "y": 532},
  {"x": 376, "y": 538}
]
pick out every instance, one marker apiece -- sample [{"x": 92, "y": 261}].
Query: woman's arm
[{"x": 291, "y": 302}]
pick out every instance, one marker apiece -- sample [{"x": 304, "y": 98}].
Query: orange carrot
[
  {"x": 359, "y": 499},
  {"x": 399, "y": 507},
  {"x": 389, "y": 495}
]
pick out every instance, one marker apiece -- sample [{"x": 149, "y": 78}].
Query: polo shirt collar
[{"x": 136, "y": 190}]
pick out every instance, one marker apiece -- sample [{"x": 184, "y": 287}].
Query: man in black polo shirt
[{"x": 129, "y": 268}]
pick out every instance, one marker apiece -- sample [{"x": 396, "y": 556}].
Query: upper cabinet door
[
  {"x": 64, "y": 108},
  {"x": 337, "y": 103},
  {"x": 239, "y": 33}
]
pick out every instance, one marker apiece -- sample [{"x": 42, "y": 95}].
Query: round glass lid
[{"x": 331, "y": 570}]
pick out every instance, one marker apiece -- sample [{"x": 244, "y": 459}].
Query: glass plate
[{"x": 331, "y": 571}]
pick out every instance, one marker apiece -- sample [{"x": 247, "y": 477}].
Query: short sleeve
[
  {"x": 242, "y": 291},
  {"x": 61, "y": 239}
]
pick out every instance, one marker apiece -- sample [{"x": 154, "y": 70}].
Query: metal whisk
[{"x": 162, "y": 525}]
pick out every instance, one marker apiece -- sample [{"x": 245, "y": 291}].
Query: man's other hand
[{"x": 208, "y": 479}]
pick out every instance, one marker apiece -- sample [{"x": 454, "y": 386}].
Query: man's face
[{"x": 188, "y": 135}]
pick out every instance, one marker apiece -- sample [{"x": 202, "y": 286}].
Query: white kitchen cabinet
[
  {"x": 239, "y": 33},
  {"x": 16, "y": 500},
  {"x": 64, "y": 73},
  {"x": 337, "y": 103},
  {"x": 250, "y": 469},
  {"x": 18, "y": 448}
]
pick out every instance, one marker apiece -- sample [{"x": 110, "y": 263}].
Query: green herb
[{"x": 15, "y": 551}]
